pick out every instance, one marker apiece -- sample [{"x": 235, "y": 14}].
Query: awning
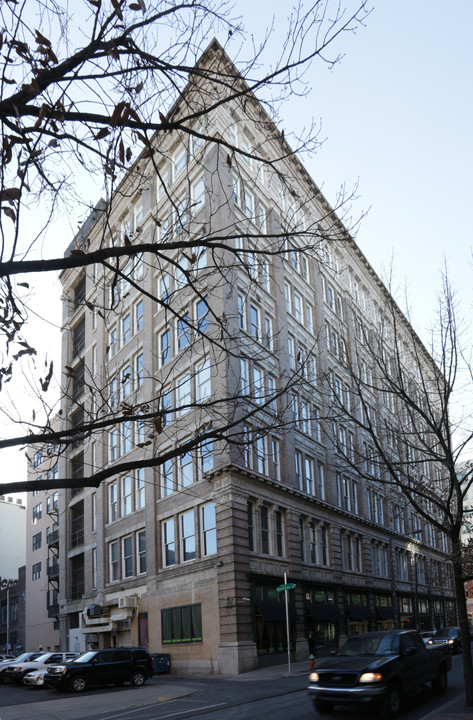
[
  {"x": 385, "y": 613},
  {"x": 359, "y": 612},
  {"x": 323, "y": 611},
  {"x": 275, "y": 611}
]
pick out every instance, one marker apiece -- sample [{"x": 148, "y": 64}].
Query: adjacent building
[
  {"x": 12, "y": 536},
  {"x": 42, "y": 554},
  {"x": 187, "y": 557}
]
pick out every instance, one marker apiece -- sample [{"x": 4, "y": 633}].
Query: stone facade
[{"x": 186, "y": 557}]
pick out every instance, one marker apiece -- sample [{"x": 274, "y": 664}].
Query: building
[
  {"x": 42, "y": 554},
  {"x": 187, "y": 557},
  {"x": 12, "y": 613},
  {"x": 12, "y": 536}
]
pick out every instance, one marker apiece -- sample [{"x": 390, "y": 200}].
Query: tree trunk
[{"x": 463, "y": 622}]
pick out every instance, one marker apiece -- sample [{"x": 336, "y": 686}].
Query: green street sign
[{"x": 287, "y": 586}]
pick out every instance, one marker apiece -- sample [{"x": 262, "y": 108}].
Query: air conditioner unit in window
[{"x": 127, "y": 602}]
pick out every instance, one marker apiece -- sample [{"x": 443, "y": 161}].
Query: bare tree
[
  {"x": 408, "y": 407},
  {"x": 106, "y": 104}
]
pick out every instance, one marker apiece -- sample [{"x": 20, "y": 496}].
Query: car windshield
[
  {"x": 25, "y": 657},
  {"x": 41, "y": 658},
  {"x": 372, "y": 645},
  {"x": 446, "y": 632}
]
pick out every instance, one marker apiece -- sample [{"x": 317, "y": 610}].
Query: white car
[
  {"x": 6, "y": 657},
  {"x": 34, "y": 678},
  {"x": 17, "y": 671},
  {"x": 19, "y": 659}
]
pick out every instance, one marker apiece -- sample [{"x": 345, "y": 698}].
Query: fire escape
[{"x": 52, "y": 539}]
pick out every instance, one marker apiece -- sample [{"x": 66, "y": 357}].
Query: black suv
[{"x": 99, "y": 667}]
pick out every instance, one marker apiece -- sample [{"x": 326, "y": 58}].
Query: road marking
[{"x": 161, "y": 717}]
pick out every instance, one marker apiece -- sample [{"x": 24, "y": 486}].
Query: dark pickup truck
[{"x": 378, "y": 668}]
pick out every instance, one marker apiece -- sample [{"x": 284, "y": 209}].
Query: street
[{"x": 168, "y": 697}]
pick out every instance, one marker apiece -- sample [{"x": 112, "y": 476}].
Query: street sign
[{"x": 287, "y": 586}]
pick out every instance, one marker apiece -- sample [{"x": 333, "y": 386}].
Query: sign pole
[{"x": 286, "y": 597}]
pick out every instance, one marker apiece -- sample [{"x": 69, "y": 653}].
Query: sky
[{"x": 396, "y": 116}]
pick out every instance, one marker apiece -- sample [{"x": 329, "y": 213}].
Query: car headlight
[
  {"x": 15, "y": 668},
  {"x": 314, "y": 677},
  {"x": 370, "y": 677}
]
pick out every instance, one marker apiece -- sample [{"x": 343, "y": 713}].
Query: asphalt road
[{"x": 169, "y": 697}]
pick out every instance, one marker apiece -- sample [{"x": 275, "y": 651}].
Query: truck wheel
[
  {"x": 440, "y": 683},
  {"x": 78, "y": 684},
  {"x": 391, "y": 706},
  {"x": 324, "y": 708},
  {"x": 138, "y": 678}
]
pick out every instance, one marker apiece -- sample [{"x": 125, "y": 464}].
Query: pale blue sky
[{"x": 397, "y": 117}]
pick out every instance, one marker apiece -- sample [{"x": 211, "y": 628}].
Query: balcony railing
[
  {"x": 53, "y": 538},
  {"x": 53, "y": 571},
  {"x": 53, "y": 610}
]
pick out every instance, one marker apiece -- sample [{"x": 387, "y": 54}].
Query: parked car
[
  {"x": 449, "y": 635},
  {"x": 35, "y": 678},
  {"x": 99, "y": 667},
  {"x": 6, "y": 657},
  {"x": 426, "y": 635},
  {"x": 21, "y": 658},
  {"x": 17, "y": 670},
  {"x": 378, "y": 669}
]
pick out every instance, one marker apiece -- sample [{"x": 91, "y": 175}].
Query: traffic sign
[{"x": 287, "y": 586}]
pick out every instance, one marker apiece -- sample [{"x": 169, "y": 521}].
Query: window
[
  {"x": 167, "y": 475},
  {"x": 245, "y": 373},
  {"x": 254, "y": 322},
  {"x": 126, "y": 498},
  {"x": 298, "y": 468},
  {"x": 202, "y": 381},
  {"x": 181, "y": 624},
  {"x": 268, "y": 332},
  {"x": 292, "y": 354},
  {"x": 183, "y": 332},
  {"x": 275, "y": 462},
  {"x": 298, "y": 307},
  {"x": 241, "y": 312},
  {"x": 163, "y": 287},
  {"x": 185, "y": 470},
  {"x": 188, "y": 536},
  {"x": 37, "y": 540},
  {"x": 139, "y": 371},
  {"x": 127, "y": 557},
  {"x": 197, "y": 195},
  {"x": 287, "y": 295},
  {"x": 249, "y": 203},
  {"x": 139, "y": 316},
  {"x": 202, "y": 315},
  {"x": 141, "y": 552},
  {"x": 183, "y": 392},
  {"x": 126, "y": 329},
  {"x": 36, "y": 571},
  {"x": 279, "y": 532},
  {"x": 260, "y": 449},
  {"x": 258, "y": 384},
  {"x": 169, "y": 543},
  {"x": 206, "y": 457},
  {"x": 126, "y": 437},
  {"x": 113, "y": 445},
  {"x": 140, "y": 496},
  {"x": 179, "y": 162},
  {"x": 114, "y": 561},
  {"x": 113, "y": 502},
  {"x": 125, "y": 382},
  {"x": 164, "y": 347},
  {"x": 38, "y": 458},
  {"x": 309, "y": 476},
  {"x": 37, "y": 512},
  {"x": 209, "y": 529},
  {"x": 251, "y": 526},
  {"x": 264, "y": 527},
  {"x": 113, "y": 341}
]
